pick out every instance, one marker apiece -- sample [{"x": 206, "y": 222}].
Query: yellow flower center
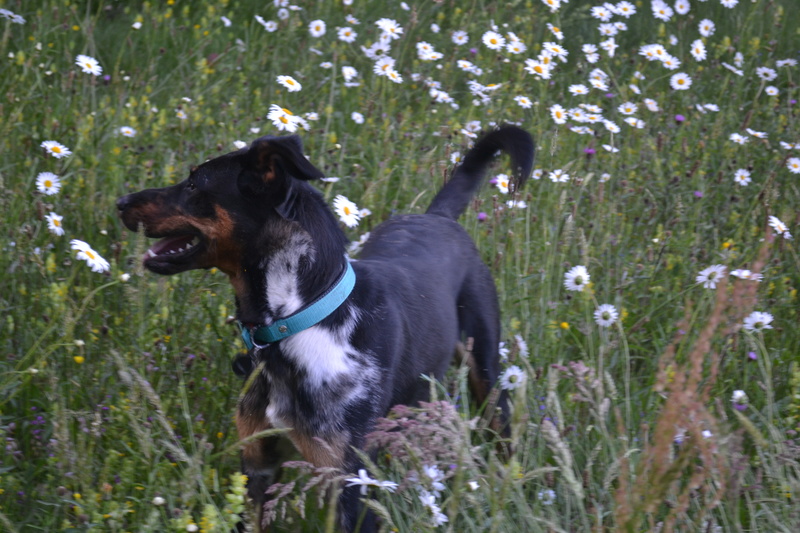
[
  {"x": 290, "y": 82},
  {"x": 347, "y": 211},
  {"x": 90, "y": 255},
  {"x": 284, "y": 120},
  {"x": 48, "y": 184},
  {"x": 56, "y": 149},
  {"x": 56, "y": 223},
  {"x": 538, "y": 69}
]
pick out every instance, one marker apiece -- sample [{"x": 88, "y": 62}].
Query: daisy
[
  {"x": 625, "y": 9},
  {"x": 576, "y": 278},
  {"x": 558, "y": 113},
  {"x": 352, "y": 20},
  {"x": 516, "y": 47},
  {"x": 383, "y": 65},
  {"x": 591, "y": 53},
  {"x": 680, "y": 81},
  {"x": 285, "y": 120},
  {"x": 493, "y": 40},
  {"x": 738, "y": 138},
  {"x": 558, "y": 176},
  {"x": 670, "y": 62},
  {"x": 395, "y": 76},
  {"x": 578, "y": 89},
  {"x": 758, "y": 321},
  {"x": 790, "y": 146},
  {"x": 390, "y": 28},
  {"x": 347, "y": 35},
  {"x": 317, "y": 28},
  {"x": 602, "y": 13},
  {"x": 758, "y": 134},
  {"x": 271, "y": 26},
  {"x": 605, "y": 315},
  {"x": 661, "y": 10},
  {"x": 89, "y": 65},
  {"x": 742, "y": 176},
  {"x": 365, "y": 481},
  {"x": 706, "y": 28},
  {"x": 786, "y": 63},
  {"x": 348, "y": 73},
  {"x": 651, "y": 105},
  {"x": 732, "y": 69},
  {"x": 552, "y": 4},
  {"x": 127, "y": 131},
  {"x": 502, "y": 182},
  {"x": 428, "y": 501},
  {"x": 729, "y": 3},
  {"x": 348, "y": 211},
  {"x": 682, "y": 7},
  {"x": 556, "y": 50},
  {"x": 555, "y": 31},
  {"x": 357, "y": 117},
  {"x": 607, "y": 30},
  {"x": 290, "y": 83},
  {"x": 793, "y": 164},
  {"x": 699, "y": 50},
  {"x": 766, "y": 73},
  {"x": 512, "y": 378},
  {"x": 523, "y": 101},
  {"x": 746, "y": 274},
  {"x": 628, "y": 108},
  {"x": 710, "y": 276},
  {"x": 771, "y": 90},
  {"x": 779, "y": 227},
  {"x": 610, "y": 46},
  {"x": 54, "y": 223},
  {"x": 460, "y": 37},
  {"x": 538, "y": 68},
  {"x": 56, "y": 149},
  {"x": 181, "y": 114},
  {"x": 92, "y": 258},
  {"x": 48, "y": 183}
]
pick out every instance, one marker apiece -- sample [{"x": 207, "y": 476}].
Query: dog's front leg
[{"x": 262, "y": 457}]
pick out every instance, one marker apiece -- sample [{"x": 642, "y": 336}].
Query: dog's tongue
[{"x": 167, "y": 245}]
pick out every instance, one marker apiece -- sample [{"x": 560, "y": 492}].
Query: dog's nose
[{"x": 123, "y": 202}]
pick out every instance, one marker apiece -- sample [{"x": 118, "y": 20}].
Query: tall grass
[{"x": 116, "y": 389}]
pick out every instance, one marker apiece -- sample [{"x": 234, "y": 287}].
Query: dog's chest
[{"x": 316, "y": 377}]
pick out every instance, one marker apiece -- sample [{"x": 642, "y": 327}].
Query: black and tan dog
[{"x": 336, "y": 343}]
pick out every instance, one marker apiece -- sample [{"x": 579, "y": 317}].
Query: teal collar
[{"x": 311, "y": 315}]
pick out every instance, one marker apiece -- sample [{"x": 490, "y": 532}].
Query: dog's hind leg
[{"x": 479, "y": 321}]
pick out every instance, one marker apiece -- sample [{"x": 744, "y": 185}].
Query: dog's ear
[
  {"x": 268, "y": 168},
  {"x": 273, "y": 157}
]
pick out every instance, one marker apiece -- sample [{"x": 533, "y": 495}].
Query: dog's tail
[{"x": 455, "y": 196}]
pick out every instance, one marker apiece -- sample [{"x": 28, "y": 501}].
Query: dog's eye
[{"x": 190, "y": 185}]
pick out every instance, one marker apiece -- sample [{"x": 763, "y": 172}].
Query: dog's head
[{"x": 207, "y": 219}]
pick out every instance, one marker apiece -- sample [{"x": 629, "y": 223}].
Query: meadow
[{"x": 647, "y": 273}]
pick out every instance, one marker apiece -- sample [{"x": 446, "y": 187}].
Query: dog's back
[{"x": 430, "y": 264}]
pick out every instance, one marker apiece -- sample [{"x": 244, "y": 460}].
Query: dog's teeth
[{"x": 150, "y": 254}]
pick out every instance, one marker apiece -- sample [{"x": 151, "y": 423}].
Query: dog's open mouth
[{"x": 173, "y": 252}]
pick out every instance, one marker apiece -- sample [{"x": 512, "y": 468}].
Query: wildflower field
[{"x": 647, "y": 273}]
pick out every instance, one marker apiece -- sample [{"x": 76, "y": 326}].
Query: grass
[{"x": 116, "y": 392}]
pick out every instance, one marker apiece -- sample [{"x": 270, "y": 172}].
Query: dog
[{"x": 333, "y": 343}]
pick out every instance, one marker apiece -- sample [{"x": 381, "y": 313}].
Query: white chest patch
[{"x": 322, "y": 353}]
